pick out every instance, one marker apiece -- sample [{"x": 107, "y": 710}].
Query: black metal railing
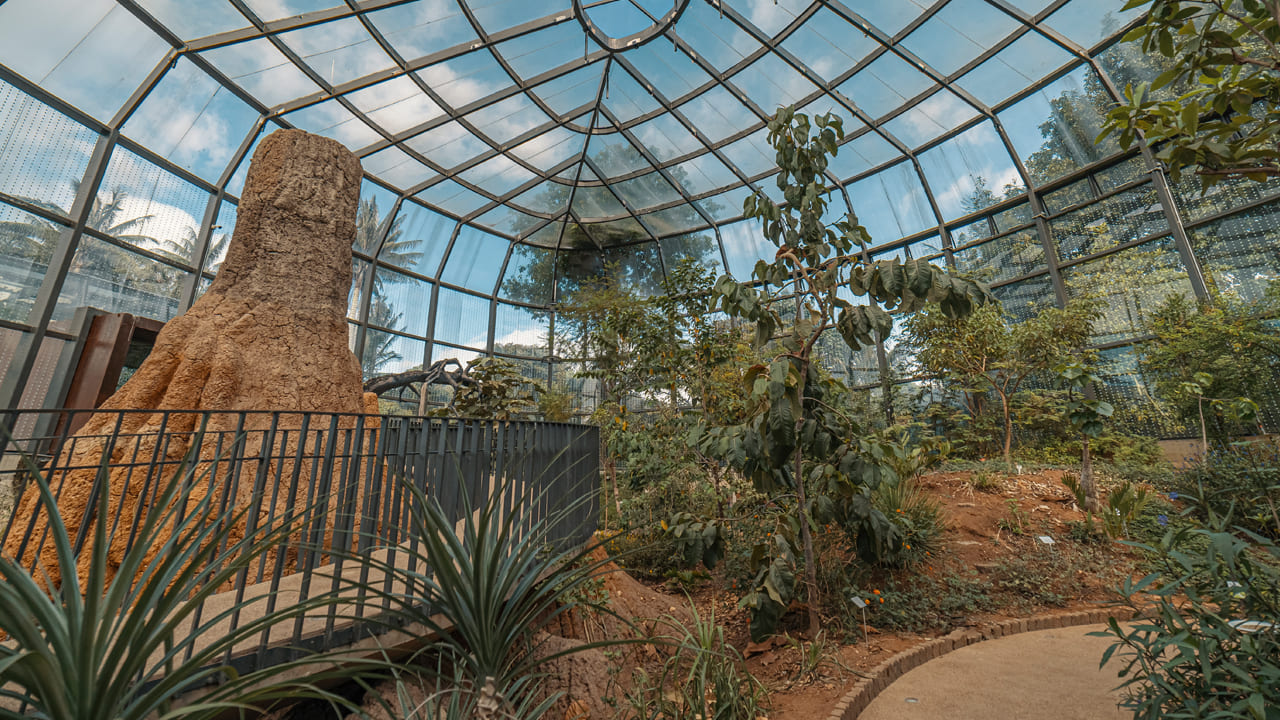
[{"x": 343, "y": 481}]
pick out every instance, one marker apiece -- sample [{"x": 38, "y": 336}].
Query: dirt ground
[
  {"x": 978, "y": 543},
  {"x": 977, "y": 537}
]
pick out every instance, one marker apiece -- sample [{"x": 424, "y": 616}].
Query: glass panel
[
  {"x": 1152, "y": 272},
  {"x": 889, "y": 17},
  {"x": 716, "y": 38},
  {"x": 891, "y": 204},
  {"x": 770, "y": 82},
  {"x": 116, "y": 280},
  {"x": 1064, "y": 197},
  {"x": 332, "y": 120},
  {"x": 454, "y": 198},
  {"x": 745, "y": 244},
  {"x": 447, "y": 145},
  {"x": 192, "y": 121},
  {"x": 462, "y": 319},
  {"x": 529, "y": 275},
  {"x": 220, "y": 239},
  {"x": 539, "y": 52},
  {"x": 1088, "y": 21},
  {"x": 148, "y": 207},
  {"x": 699, "y": 248},
  {"x": 26, "y": 245},
  {"x": 1023, "y": 63},
  {"x": 359, "y": 274},
  {"x": 91, "y": 53},
  {"x": 1122, "y": 173},
  {"x": 264, "y": 71},
  {"x": 861, "y": 154},
  {"x": 665, "y": 138},
  {"x": 400, "y": 302},
  {"x": 970, "y": 233},
  {"x": 466, "y": 78},
  {"x": 495, "y": 15},
  {"x": 596, "y": 202},
  {"x": 625, "y": 99},
  {"x": 338, "y": 51},
  {"x": 717, "y": 114},
  {"x": 885, "y": 84},
  {"x": 572, "y": 91},
  {"x": 1121, "y": 218},
  {"x": 930, "y": 118},
  {"x": 646, "y": 191},
  {"x": 189, "y": 21},
  {"x": 389, "y": 353},
  {"x": 971, "y": 172},
  {"x": 1054, "y": 129},
  {"x": 503, "y": 121},
  {"x": 828, "y": 45},
  {"x": 614, "y": 155},
  {"x": 1224, "y": 196},
  {"x": 675, "y": 220},
  {"x": 1004, "y": 258},
  {"x": 43, "y": 153},
  {"x": 635, "y": 267},
  {"x": 521, "y": 331},
  {"x": 418, "y": 239},
  {"x": 396, "y": 167},
  {"x": 1019, "y": 214},
  {"x": 396, "y": 105},
  {"x": 959, "y": 32},
  {"x": 1239, "y": 254},
  {"x": 550, "y": 149},
  {"x": 418, "y": 29},
  {"x": 673, "y": 74},
  {"x": 1026, "y": 298},
  {"x": 498, "y": 175},
  {"x": 475, "y": 260}
]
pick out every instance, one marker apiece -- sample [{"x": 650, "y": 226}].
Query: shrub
[
  {"x": 1210, "y": 647},
  {"x": 917, "y": 516},
  {"x": 703, "y": 678},
  {"x": 1237, "y": 484},
  {"x": 922, "y": 602}
]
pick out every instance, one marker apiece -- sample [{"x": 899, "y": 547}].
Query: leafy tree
[
  {"x": 795, "y": 435},
  {"x": 1086, "y": 416},
  {"x": 985, "y": 353},
  {"x": 1230, "y": 344},
  {"x": 499, "y": 391},
  {"x": 1227, "y": 121}
]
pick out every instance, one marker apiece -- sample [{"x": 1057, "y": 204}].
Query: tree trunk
[
  {"x": 1091, "y": 503},
  {"x": 1008, "y": 431},
  {"x": 806, "y": 542},
  {"x": 1204, "y": 432}
]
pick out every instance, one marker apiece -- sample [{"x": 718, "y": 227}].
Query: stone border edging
[{"x": 881, "y": 676}]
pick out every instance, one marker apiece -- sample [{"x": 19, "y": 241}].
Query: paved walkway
[{"x": 1043, "y": 675}]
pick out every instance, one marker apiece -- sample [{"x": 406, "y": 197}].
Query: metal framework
[{"x": 650, "y": 133}]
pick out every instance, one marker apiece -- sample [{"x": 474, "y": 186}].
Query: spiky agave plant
[
  {"x": 126, "y": 646},
  {"x": 488, "y": 591}
]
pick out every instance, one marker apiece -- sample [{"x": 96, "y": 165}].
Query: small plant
[
  {"x": 486, "y": 590},
  {"x": 1124, "y": 505},
  {"x": 983, "y": 481},
  {"x": 813, "y": 657},
  {"x": 917, "y": 516},
  {"x": 1017, "y": 521},
  {"x": 703, "y": 678}
]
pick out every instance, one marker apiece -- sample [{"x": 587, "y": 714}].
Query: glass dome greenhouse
[{"x": 512, "y": 148}]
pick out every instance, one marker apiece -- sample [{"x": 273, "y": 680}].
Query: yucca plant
[
  {"x": 488, "y": 591},
  {"x": 125, "y": 646},
  {"x": 703, "y": 677}
]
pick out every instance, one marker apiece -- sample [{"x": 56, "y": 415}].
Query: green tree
[
  {"x": 1226, "y": 348},
  {"x": 985, "y": 353},
  {"x": 1226, "y": 54},
  {"x": 795, "y": 433},
  {"x": 1086, "y": 416}
]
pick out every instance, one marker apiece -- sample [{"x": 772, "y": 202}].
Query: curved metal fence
[{"x": 343, "y": 480}]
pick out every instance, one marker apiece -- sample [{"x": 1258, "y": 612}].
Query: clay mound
[
  {"x": 633, "y": 601},
  {"x": 269, "y": 334}
]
